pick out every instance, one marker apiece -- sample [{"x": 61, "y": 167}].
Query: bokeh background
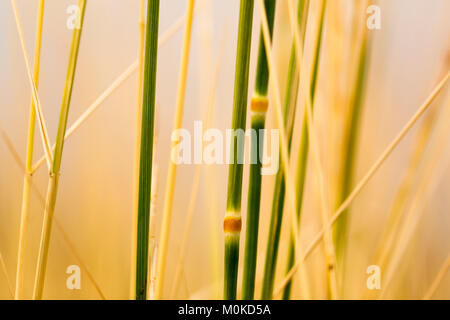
[{"x": 95, "y": 197}]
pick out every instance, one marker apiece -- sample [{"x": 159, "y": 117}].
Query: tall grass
[
  {"x": 137, "y": 146},
  {"x": 351, "y": 135},
  {"x": 24, "y": 215},
  {"x": 316, "y": 240},
  {"x": 232, "y": 222},
  {"x": 258, "y": 106},
  {"x": 146, "y": 152},
  {"x": 57, "y": 158},
  {"x": 348, "y": 53},
  {"x": 171, "y": 176},
  {"x": 304, "y": 138},
  {"x": 290, "y": 102}
]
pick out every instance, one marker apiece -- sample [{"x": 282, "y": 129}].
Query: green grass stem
[
  {"x": 290, "y": 102},
  {"x": 303, "y": 151},
  {"x": 259, "y": 106},
  {"x": 232, "y": 221},
  {"x": 146, "y": 152}
]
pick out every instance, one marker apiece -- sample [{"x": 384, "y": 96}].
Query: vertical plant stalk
[
  {"x": 289, "y": 111},
  {"x": 232, "y": 221},
  {"x": 350, "y": 148},
  {"x": 304, "y": 147},
  {"x": 258, "y": 107},
  {"x": 137, "y": 146},
  {"x": 171, "y": 177},
  {"x": 207, "y": 119},
  {"x": 40, "y": 117},
  {"x": 57, "y": 157},
  {"x": 146, "y": 152},
  {"x": 21, "y": 165},
  {"x": 29, "y": 157}
]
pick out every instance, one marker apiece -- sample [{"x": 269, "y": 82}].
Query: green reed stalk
[
  {"x": 232, "y": 220},
  {"x": 57, "y": 157},
  {"x": 137, "y": 146},
  {"x": 29, "y": 157},
  {"x": 146, "y": 154},
  {"x": 258, "y": 107},
  {"x": 303, "y": 153},
  {"x": 290, "y": 102},
  {"x": 350, "y": 147}
]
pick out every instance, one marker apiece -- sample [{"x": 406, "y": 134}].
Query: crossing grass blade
[
  {"x": 304, "y": 146},
  {"x": 290, "y": 103},
  {"x": 29, "y": 158},
  {"x": 57, "y": 158}
]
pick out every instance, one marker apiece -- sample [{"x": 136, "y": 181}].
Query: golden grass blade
[
  {"x": 396, "y": 212},
  {"x": 279, "y": 115},
  {"x": 115, "y": 85},
  {"x": 290, "y": 187},
  {"x": 206, "y": 34},
  {"x": 29, "y": 158},
  {"x": 170, "y": 186},
  {"x": 195, "y": 184},
  {"x": 54, "y": 172},
  {"x": 368, "y": 176},
  {"x": 15, "y": 155},
  {"x": 42, "y": 127},
  {"x": 330, "y": 256},
  {"x": 427, "y": 184}
]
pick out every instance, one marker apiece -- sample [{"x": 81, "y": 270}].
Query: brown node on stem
[
  {"x": 259, "y": 104},
  {"x": 232, "y": 224}
]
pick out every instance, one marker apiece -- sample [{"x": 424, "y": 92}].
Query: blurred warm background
[{"x": 94, "y": 204}]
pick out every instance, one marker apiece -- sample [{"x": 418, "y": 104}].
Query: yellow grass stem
[
  {"x": 330, "y": 256},
  {"x": 279, "y": 114},
  {"x": 363, "y": 182},
  {"x": 350, "y": 144},
  {"x": 57, "y": 158},
  {"x": 396, "y": 212},
  {"x": 206, "y": 20},
  {"x": 112, "y": 87},
  {"x": 29, "y": 158},
  {"x": 427, "y": 183},
  {"x": 195, "y": 184},
  {"x": 170, "y": 186},
  {"x": 42, "y": 127},
  {"x": 16, "y": 157}
]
